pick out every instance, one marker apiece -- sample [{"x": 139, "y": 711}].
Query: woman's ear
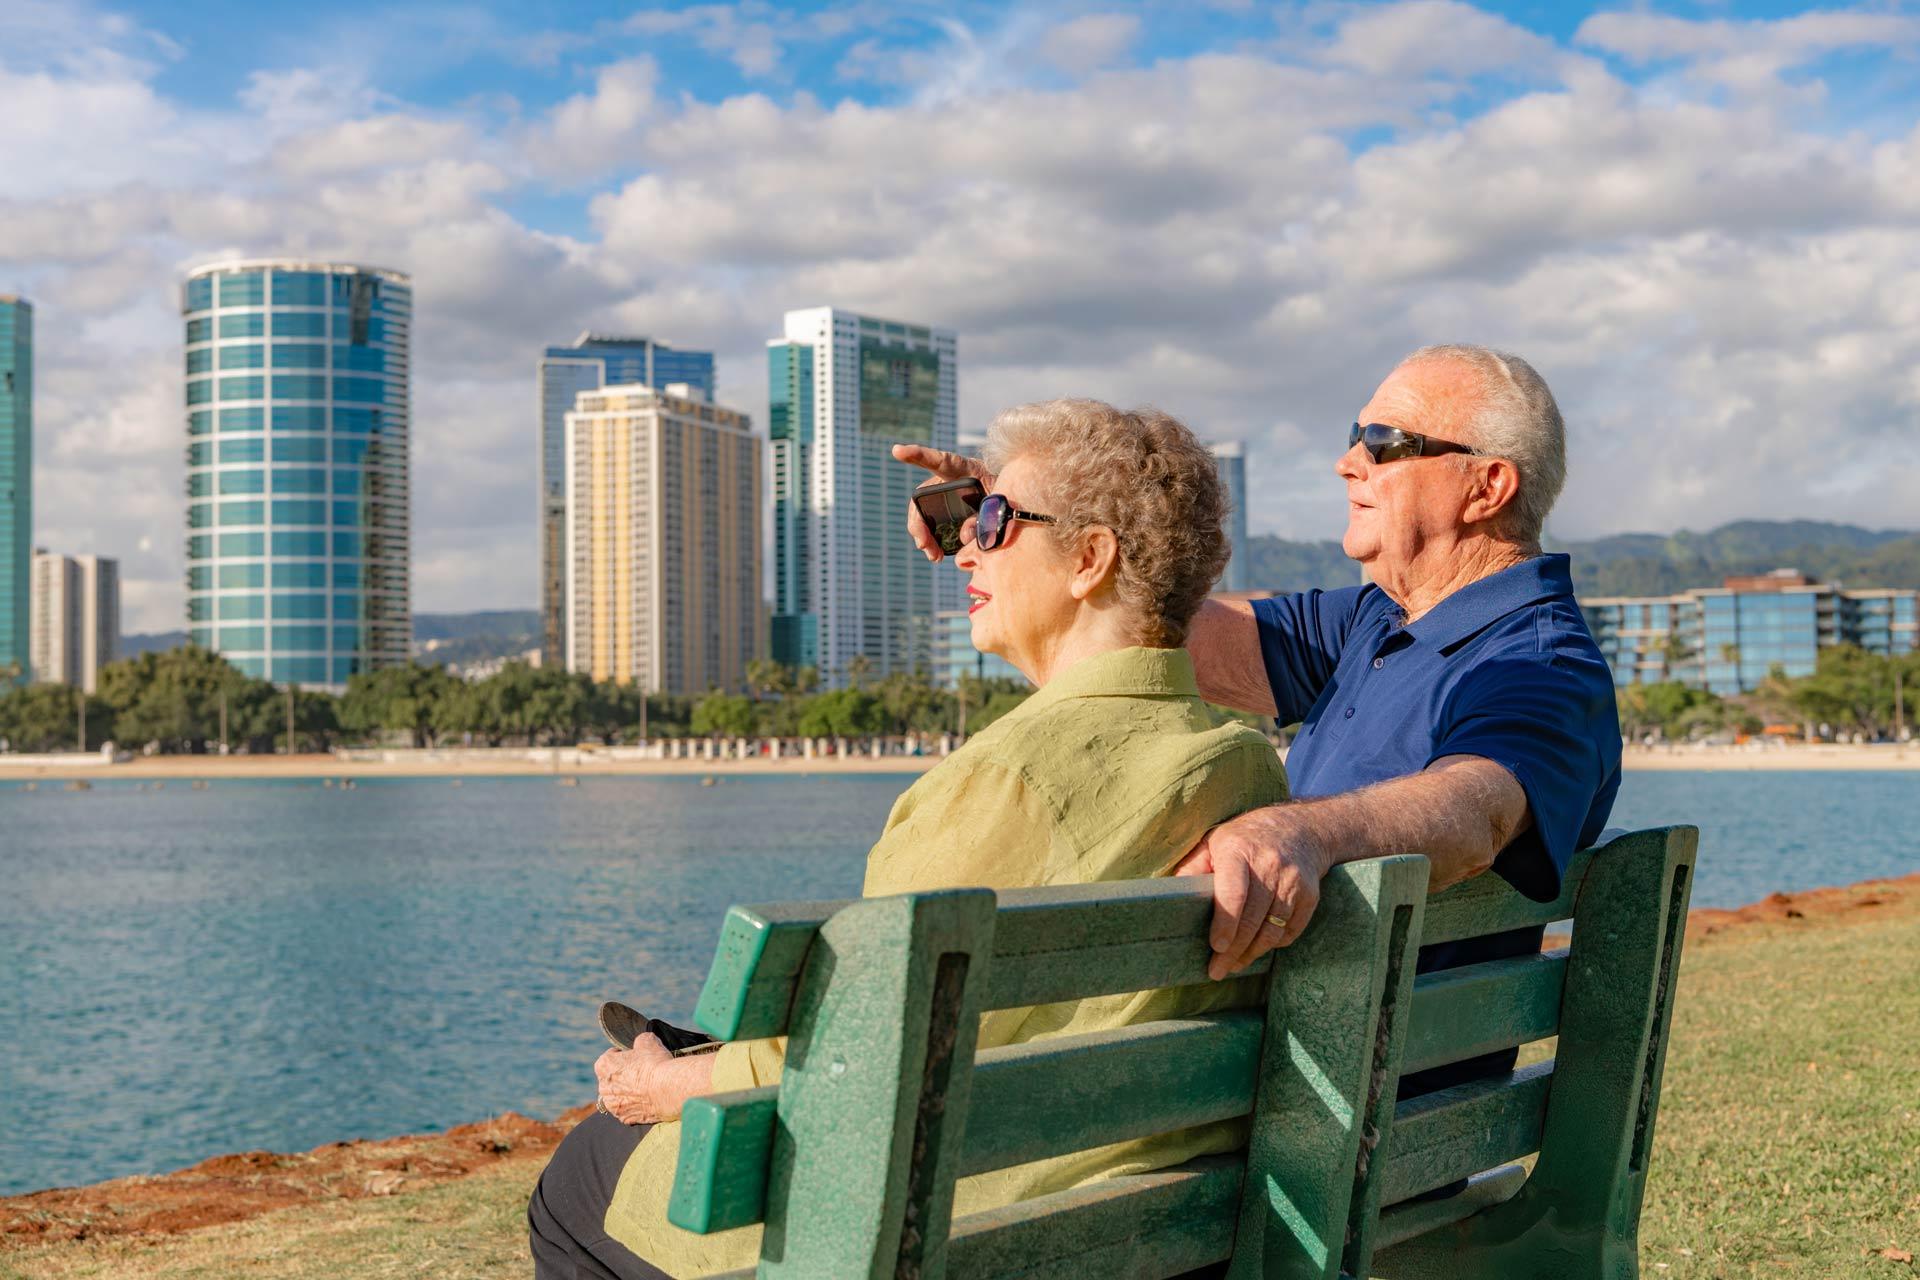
[{"x": 1094, "y": 561}]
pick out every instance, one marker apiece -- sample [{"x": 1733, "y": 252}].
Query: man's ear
[
  {"x": 1495, "y": 486},
  {"x": 1095, "y": 561}
]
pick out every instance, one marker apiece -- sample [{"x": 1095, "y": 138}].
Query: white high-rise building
[
  {"x": 662, "y": 523},
  {"x": 75, "y": 618},
  {"x": 843, "y": 388}
]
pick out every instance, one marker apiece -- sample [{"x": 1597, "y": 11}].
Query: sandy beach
[{"x": 567, "y": 762}]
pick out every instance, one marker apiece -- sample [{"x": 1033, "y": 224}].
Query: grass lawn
[{"x": 1788, "y": 1142}]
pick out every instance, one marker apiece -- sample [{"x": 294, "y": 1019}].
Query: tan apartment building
[
  {"x": 74, "y": 618},
  {"x": 662, "y": 539}
]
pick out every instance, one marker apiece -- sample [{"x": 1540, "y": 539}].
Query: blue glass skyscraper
[
  {"x": 592, "y": 362},
  {"x": 298, "y": 528},
  {"x": 16, "y": 483}
]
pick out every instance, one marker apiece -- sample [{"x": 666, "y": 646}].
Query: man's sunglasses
[
  {"x": 1390, "y": 444},
  {"x": 997, "y": 516}
]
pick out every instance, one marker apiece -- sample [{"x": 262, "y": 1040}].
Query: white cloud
[
  {"x": 1090, "y": 42},
  {"x": 1419, "y": 37},
  {"x": 1749, "y": 54}
]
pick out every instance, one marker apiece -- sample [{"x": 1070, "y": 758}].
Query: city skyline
[{"x": 1698, "y": 224}]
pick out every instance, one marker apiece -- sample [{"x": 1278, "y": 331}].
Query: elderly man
[{"x": 1456, "y": 706}]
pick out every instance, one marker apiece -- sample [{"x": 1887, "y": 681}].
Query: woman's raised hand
[{"x": 944, "y": 466}]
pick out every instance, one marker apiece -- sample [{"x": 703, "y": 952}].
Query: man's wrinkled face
[{"x": 1394, "y": 509}]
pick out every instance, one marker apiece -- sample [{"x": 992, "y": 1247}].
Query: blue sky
[{"x": 1698, "y": 219}]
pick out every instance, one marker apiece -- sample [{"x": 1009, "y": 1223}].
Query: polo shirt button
[
  {"x": 1349, "y": 713},
  {"x": 1379, "y": 663}
]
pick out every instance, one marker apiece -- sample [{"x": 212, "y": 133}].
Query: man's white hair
[{"x": 1515, "y": 418}]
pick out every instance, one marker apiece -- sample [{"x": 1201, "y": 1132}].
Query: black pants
[{"x": 569, "y": 1206}]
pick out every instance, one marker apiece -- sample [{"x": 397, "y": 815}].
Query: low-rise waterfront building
[
  {"x": 1727, "y": 639},
  {"x": 663, "y": 540},
  {"x": 75, "y": 618}
]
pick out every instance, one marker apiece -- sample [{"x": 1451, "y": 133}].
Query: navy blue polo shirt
[{"x": 1504, "y": 668}]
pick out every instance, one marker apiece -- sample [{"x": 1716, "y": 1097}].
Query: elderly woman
[{"x": 1087, "y": 562}]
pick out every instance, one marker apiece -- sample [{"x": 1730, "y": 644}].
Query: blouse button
[
  {"x": 1379, "y": 663},
  {"x": 1349, "y": 713}
]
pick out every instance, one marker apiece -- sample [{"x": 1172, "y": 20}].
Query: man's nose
[{"x": 1352, "y": 465}]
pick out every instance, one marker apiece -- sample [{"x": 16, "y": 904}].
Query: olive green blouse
[{"x": 1112, "y": 771}]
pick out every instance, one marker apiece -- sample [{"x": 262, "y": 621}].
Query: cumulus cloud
[{"x": 1248, "y": 236}]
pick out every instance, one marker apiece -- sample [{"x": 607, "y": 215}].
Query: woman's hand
[
  {"x": 945, "y": 466},
  {"x": 647, "y": 1084}
]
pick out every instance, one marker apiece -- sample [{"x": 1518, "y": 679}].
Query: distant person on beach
[
  {"x": 1088, "y": 559},
  {"x": 1455, "y": 706}
]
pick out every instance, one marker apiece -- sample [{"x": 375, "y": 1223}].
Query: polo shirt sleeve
[
  {"x": 1301, "y": 636},
  {"x": 1545, "y": 721}
]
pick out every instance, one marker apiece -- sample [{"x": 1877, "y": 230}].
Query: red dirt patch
[
  {"x": 234, "y": 1187},
  {"x": 1847, "y": 904}
]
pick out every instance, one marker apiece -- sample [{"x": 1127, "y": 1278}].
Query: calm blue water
[{"x": 186, "y": 973}]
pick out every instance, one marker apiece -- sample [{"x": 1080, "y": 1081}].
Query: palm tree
[{"x": 857, "y": 668}]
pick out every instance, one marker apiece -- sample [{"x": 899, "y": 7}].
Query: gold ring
[{"x": 1278, "y": 922}]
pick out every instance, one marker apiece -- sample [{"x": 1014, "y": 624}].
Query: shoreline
[
  {"x": 235, "y": 1187},
  {"x": 567, "y": 762}
]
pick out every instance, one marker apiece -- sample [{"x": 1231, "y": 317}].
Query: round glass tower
[{"x": 297, "y": 467}]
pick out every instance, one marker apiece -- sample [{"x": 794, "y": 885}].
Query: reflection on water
[{"x": 186, "y": 973}]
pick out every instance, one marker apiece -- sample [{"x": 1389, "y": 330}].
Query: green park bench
[{"x": 850, "y": 1161}]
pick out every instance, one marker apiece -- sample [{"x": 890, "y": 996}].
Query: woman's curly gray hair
[{"x": 1140, "y": 473}]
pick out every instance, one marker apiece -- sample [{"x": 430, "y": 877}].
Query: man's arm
[
  {"x": 1461, "y": 811},
  {"x": 1224, "y": 641}
]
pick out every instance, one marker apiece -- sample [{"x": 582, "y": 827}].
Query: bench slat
[
  {"x": 1468, "y": 1129},
  {"x": 1066, "y": 942},
  {"x": 1405, "y": 1221},
  {"x": 1069, "y": 942},
  {"x": 1161, "y": 1223},
  {"x": 1030, "y": 1101},
  {"x": 1477, "y": 1008},
  {"x": 1488, "y": 904},
  {"x": 1045, "y": 1098}
]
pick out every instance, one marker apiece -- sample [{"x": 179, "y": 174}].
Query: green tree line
[
  {"x": 1850, "y": 691},
  {"x": 182, "y": 701}
]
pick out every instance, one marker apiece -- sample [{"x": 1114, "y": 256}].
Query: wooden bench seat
[{"x": 850, "y": 1162}]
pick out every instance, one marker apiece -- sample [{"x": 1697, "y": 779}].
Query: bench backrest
[{"x": 850, "y": 1162}]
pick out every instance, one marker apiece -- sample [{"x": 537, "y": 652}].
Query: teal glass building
[
  {"x": 16, "y": 484},
  {"x": 298, "y": 522}
]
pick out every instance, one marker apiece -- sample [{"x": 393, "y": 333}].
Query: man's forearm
[{"x": 1461, "y": 812}]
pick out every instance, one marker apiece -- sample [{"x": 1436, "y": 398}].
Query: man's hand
[
  {"x": 1266, "y": 868},
  {"x": 945, "y": 466}
]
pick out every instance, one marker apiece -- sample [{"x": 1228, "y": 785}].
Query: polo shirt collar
[{"x": 1478, "y": 605}]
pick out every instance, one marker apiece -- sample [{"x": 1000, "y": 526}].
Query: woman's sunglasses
[
  {"x": 989, "y": 528},
  {"x": 1390, "y": 444}
]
